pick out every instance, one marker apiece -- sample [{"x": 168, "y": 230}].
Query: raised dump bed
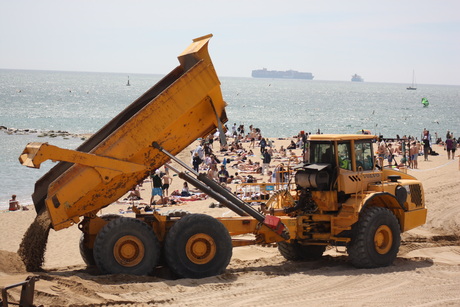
[{"x": 185, "y": 105}]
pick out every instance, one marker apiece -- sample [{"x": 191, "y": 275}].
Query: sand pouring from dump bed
[{"x": 33, "y": 246}]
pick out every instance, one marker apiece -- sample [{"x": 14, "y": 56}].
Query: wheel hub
[
  {"x": 383, "y": 239},
  {"x": 201, "y": 248},
  {"x": 128, "y": 251}
]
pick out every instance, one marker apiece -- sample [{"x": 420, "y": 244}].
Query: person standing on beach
[
  {"x": 241, "y": 130},
  {"x": 413, "y": 154},
  {"x": 210, "y": 139},
  {"x": 263, "y": 144},
  {"x": 157, "y": 187},
  {"x": 266, "y": 162},
  {"x": 252, "y": 137},
  {"x": 166, "y": 183},
  {"x": 196, "y": 162},
  {"x": 426, "y": 144},
  {"x": 454, "y": 147},
  {"x": 381, "y": 149},
  {"x": 207, "y": 150},
  {"x": 234, "y": 133},
  {"x": 223, "y": 174},
  {"x": 166, "y": 169},
  {"x": 449, "y": 144},
  {"x": 303, "y": 144}
]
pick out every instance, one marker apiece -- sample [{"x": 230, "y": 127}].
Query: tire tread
[
  {"x": 125, "y": 224},
  {"x": 359, "y": 251},
  {"x": 190, "y": 225}
]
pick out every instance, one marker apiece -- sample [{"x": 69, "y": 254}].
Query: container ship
[{"x": 287, "y": 74}]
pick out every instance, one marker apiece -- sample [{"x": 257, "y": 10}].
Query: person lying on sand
[
  {"x": 192, "y": 197},
  {"x": 293, "y": 158},
  {"x": 249, "y": 166}
]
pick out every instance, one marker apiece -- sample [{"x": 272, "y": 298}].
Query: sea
[{"x": 34, "y": 103}]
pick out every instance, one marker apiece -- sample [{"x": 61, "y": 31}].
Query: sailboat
[
  {"x": 414, "y": 84},
  {"x": 127, "y": 84}
]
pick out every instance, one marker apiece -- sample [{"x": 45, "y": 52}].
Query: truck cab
[
  {"x": 344, "y": 200},
  {"x": 350, "y": 159}
]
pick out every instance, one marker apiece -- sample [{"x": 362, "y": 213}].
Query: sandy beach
[{"x": 425, "y": 273}]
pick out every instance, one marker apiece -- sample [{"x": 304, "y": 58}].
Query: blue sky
[{"x": 383, "y": 41}]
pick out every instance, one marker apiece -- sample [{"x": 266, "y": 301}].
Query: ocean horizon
[{"x": 406, "y": 84}]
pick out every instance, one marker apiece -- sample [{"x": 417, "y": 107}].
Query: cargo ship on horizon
[
  {"x": 356, "y": 78},
  {"x": 287, "y": 74}
]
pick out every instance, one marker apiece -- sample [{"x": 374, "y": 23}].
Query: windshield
[
  {"x": 322, "y": 152},
  {"x": 364, "y": 156}
]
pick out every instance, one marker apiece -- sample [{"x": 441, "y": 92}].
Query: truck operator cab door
[
  {"x": 364, "y": 156},
  {"x": 356, "y": 166}
]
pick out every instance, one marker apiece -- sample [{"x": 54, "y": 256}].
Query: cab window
[
  {"x": 344, "y": 154},
  {"x": 322, "y": 152},
  {"x": 363, "y": 155}
]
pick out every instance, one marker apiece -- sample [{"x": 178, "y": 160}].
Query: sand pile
[{"x": 11, "y": 263}]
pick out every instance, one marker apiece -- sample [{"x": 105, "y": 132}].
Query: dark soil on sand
[{"x": 33, "y": 246}]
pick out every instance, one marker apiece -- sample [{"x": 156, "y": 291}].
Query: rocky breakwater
[{"x": 45, "y": 133}]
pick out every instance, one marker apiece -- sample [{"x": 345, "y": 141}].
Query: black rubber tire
[
  {"x": 363, "y": 250},
  {"x": 298, "y": 252},
  {"x": 180, "y": 244},
  {"x": 146, "y": 246},
  {"x": 87, "y": 253}
]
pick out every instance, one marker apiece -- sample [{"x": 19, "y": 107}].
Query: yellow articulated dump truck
[{"x": 335, "y": 197}]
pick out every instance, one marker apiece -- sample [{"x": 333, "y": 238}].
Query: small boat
[
  {"x": 414, "y": 84},
  {"x": 127, "y": 84}
]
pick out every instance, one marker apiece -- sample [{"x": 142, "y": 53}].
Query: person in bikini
[{"x": 14, "y": 204}]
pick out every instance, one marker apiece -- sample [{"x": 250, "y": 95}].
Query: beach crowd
[
  {"x": 409, "y": 148},
  {"x": 247, "y": 159}
]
